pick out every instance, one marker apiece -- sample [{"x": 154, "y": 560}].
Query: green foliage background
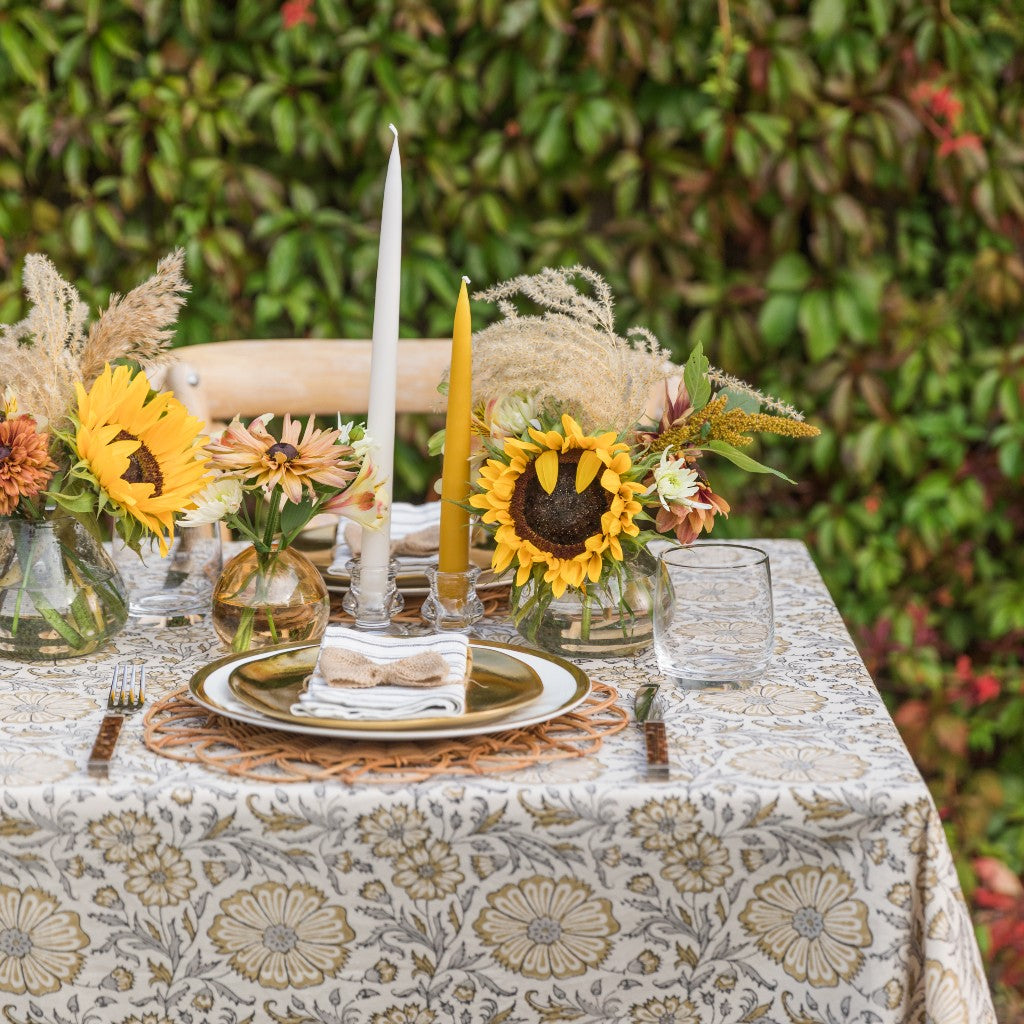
[{"x": 790, "y": 183}]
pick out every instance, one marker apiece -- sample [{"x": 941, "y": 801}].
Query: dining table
[{"x": 791, "y": 867}]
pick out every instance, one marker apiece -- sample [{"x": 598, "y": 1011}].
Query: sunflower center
[
  {"x": 559, "y": 522},
  {"x": 5, "y": 451},
  {"x": 282, "y": 452},
  {"x": 143, "y": 467}
]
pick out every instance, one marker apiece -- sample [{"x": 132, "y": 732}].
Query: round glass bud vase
[
  {"x": 267, "y": 598},
  {"x": 610, "y": 622},
  {"x": 61, "y": 596}
]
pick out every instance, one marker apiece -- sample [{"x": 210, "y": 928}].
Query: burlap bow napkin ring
[
  {"x": 344, "y": 668},
  {"x": 418, "y": 544}
]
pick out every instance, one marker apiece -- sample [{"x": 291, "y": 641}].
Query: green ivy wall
[{"x": 828, "y": 195}]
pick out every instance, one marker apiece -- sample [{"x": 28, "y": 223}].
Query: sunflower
[
  {"x": 560, "y": 504},
  {"x": 293, "y": 462},
  {"x": 25, "y": 466},
  {"x": 144, "y": 449}
]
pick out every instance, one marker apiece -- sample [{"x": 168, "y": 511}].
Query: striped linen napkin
[
  {"x": 388, "y": 703},
  {"x": 406, "y": 518}
]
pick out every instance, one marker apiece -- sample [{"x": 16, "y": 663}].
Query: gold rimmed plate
[
  {"x": 497, "y": 685},
  {"x": 563, "y": 687}
]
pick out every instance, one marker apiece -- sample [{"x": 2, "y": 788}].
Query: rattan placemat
[{"x": 176, "y": 727}]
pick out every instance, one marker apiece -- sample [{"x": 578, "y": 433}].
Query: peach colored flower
[{"x": 25, "y": 465}]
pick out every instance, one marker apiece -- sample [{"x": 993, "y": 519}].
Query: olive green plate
[{"x": 498, "y": 684}]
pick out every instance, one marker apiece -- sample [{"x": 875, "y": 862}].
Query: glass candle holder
[
  {"x": 373, "y": 602},
  {"x": 453, "y": 604}
]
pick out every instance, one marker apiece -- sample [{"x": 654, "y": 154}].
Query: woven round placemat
[{"x": 176, "y": 727}]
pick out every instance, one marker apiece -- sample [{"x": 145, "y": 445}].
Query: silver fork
[{"x": 126, "y": 695}]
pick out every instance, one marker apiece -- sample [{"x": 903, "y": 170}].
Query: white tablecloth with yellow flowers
[{"x": 793, "y": 871}]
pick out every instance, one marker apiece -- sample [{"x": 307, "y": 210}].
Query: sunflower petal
[
  {"x": 586, "y": 469},
  {"x": 546, "y": 465},
  {"x": 524, "y": 572}
]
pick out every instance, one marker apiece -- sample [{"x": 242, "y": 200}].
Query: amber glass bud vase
[{"x": 263, "y": 598}]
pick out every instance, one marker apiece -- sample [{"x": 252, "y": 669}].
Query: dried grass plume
[
  {"x": 44, "y": 354},
  {"x": 568, "y": 356}
]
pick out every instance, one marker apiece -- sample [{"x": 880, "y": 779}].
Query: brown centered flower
[
  {"x": 25, "y": 464},
  {"x": 296, "y": 460}
]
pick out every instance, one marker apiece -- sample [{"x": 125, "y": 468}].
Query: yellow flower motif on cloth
[
  {"x": 120, "y": 979},
  {"x": 542, "y": 928},
  {"x": 374, "y": 892},
  {"x": 939, "y": 927},
  {"x": 39, "y": 942},
  {"x": 122, "y": 837},
  {"x": 642, "y": 885},
  {"x": 408, "y": 1014},
  {"x": 107, "y": 897},
  {"x": 382, "y": 971},
  {"x": 646, "y": 962},
  {"x": 26, "y": 769},
  {"x": 392, "y": 830},
  {"x": 428, "y": 872},
  {"x": 944, "y": 1003},
  {"x": 917, "y": 826},
  {"x": 282, "y": 936},
  {"x": 216, "y": 871},
  {"x": 465, "y": 993},
  {"x": 893, "y": 990},
  {"x": 670, "y": 1010},
  {"x": 663, "y": 824},
  {"x": 753, "y": 860},
  {"x": 37, "y": 706},
  {"x": 899, "y": 895},
  {"x": 768, "y": 699},
  {"x": 800, "y": 764},
  {"x": 808, "y": 921},
  {"x": 484, "y": 865},
  {"x": 697, "y": 865},
  {"x": 559, "y": 501},
  {"x": 160, "y": 878}
]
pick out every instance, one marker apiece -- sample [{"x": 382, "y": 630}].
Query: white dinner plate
[{"x": 564, "y": 687}]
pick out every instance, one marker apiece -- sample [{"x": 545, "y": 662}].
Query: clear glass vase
[
  {"x": 267, "y": 598},
  {"x": 608, "y": 622},
  {"x": 61, "y": 596}
]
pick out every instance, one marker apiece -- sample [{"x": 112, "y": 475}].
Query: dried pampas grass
[
  {"x": 47, "y": 352},
  {"x": 569, "y": 357}
]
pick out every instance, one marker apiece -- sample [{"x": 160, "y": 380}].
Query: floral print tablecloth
[{"x": 794, "y": 870}]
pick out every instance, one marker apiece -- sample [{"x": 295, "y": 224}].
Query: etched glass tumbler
[{"x": 713, "y": 617}]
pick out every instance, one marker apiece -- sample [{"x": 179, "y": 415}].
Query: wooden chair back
[{"x": 223, "y": 379}]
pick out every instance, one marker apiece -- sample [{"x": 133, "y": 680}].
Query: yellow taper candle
[{"x": 453, "y": 555}]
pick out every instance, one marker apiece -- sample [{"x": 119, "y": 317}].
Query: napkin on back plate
[
  {"x": 406, "y": 519},
  {"x": 363, "y": 676}
]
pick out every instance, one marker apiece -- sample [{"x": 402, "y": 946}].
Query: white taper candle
[{"x": 380, "y": 420}]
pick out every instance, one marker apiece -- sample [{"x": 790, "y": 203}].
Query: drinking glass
[
  {"x": 176, "y": 590},
  {"x": 713, "y": 617}
]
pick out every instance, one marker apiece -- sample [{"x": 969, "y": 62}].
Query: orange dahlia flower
[{"x": 25, "y": 464}]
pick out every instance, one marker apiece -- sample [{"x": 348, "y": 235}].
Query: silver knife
[{"x": 647, "y": 706}]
